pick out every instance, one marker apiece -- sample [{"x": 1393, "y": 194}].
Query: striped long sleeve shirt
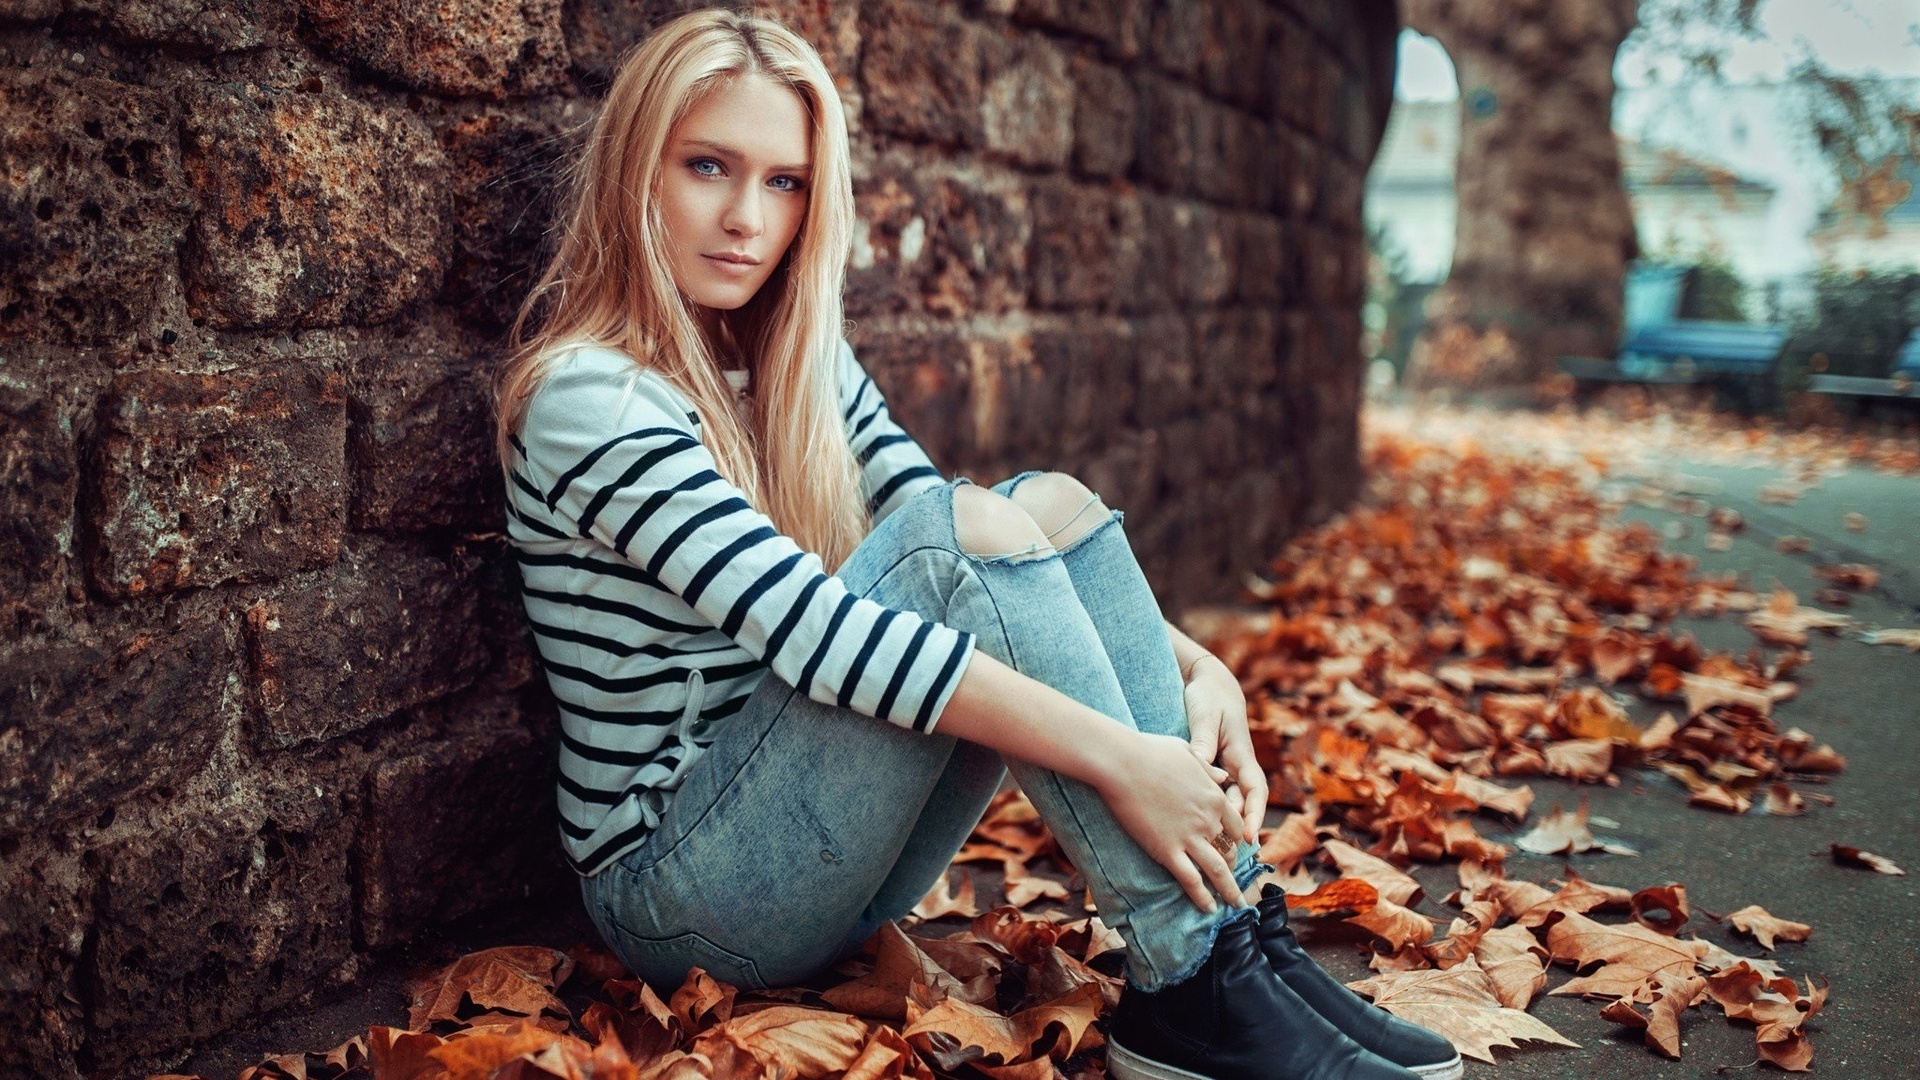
[{"x": 659, "y": 597}]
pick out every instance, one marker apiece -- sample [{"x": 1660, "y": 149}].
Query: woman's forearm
[
  {"x": 1185, "y": 650},
  {"x": 1004, "y": 710}
]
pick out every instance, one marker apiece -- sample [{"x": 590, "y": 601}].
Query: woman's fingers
[
  {"x": 1219, "y": 874},
  {"x": 1252, "y": 782},
  {"x": 1192, "y": 881}
]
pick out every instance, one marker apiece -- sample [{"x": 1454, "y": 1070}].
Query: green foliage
[
  {"x": 1855, "y": 325},
  {"x": 1714, "y": 291}
]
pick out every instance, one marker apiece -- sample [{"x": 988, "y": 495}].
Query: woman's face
[{"x": 734, "y": 189}]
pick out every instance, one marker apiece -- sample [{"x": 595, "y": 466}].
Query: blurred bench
[
  {"x": 1899, "y": 383},
  {"x": 1658, "y": 348}
]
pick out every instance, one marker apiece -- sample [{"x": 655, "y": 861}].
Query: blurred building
[{"x": 1720, "y": 172}]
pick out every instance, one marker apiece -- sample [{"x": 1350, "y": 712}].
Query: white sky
[{"x": 1851, "y": 36}]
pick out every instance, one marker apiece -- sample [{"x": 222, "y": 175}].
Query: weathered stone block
[
  {"x": 1232, "y": 59},
  {"x": 1173, "y": 125},
  {"x": 920, "y": 73},
  {"x": 28, "y": 12},
  {"x": 455, "y": 826},
  {"x": 1119, "y": 25},
  {"x": 420, "y": 439},
  {"x": 84, "y": 725},
  {"x": 92, "y": 204},
  {"x": 316, "y": 209},
  {"x": 1087, "y": 245},
  {"x": 195, "y": 26},
  {"x": 1178, "y": 35},
  {"x": 1026, "y": 104},
  {"x": 502, "y": 200},
  {"x": 45, "y": 902},
  {"x": 1087, "y": 387},
  {"x": 926, "y": 378},
  {"x": 221, "y": 914},
  {"x": 1259, "y": 258},
  {"x": 1301, "y": 197},
  {"x": 1191, "y": 247},
  {"x": 37, "y": 491},
  {"x": 953, "y": 242},
  {"x": 200, "y": 479},
  {"x": 1290, "y": 61},
  {"x": 459, "y": 48},
  {"x": 1167, "y": 372},
  {"x": 381, "y": 631},
  {"x": 1103, "y": 119}
]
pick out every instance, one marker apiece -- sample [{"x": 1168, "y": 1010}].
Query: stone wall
[{"x": 266, "y": 704}]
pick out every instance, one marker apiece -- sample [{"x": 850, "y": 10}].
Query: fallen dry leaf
[
  {"x": 1784, "y": 801},
  {"x": 1346, "y": 894},
  {"x": 943, "y": 899},
  {"x": 1755, "y": 920},
  {"x": 1398, "y": 926},
  {"x": 1459, "y": 1003},
  {"x": 1668, "y": 997},
  {"x": 1515, "y": 962},
  {"x": 1628, "y": 955},
  {"x": 1909, "y": 639},
  {"x": 1564, "y": 832},
  {"x": 1661, "y": 908},
  {"x": 1394, "y": 884},
  {"x": 1865, "y": 860},
  {"x": 515, "y": 980},
  {"x": 955, "y": 1032}
]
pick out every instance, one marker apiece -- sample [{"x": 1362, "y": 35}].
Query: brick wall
[{"x": 266, "y": 705}]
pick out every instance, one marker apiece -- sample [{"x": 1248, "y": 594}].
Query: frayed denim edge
[{"x": 1249, "y": 913}]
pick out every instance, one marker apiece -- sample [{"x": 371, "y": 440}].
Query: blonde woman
[{"x": 793, "y": 662}]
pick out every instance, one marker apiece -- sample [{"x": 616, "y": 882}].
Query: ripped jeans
[{"x": 806, "y": 826}]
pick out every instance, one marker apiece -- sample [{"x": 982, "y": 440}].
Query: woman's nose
[{"x": 743, "y": 215}]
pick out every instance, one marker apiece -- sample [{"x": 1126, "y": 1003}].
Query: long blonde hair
[{"x": 610, "y": 281}]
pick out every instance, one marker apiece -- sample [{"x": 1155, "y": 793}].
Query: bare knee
[
  {"x": 1064, "y": 508},
  {"x": 988, "y": 523}
]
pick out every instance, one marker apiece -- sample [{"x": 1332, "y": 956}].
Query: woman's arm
[
  {"x": 1217, "y": 725},
  {"x": 1165, "y": 797}
]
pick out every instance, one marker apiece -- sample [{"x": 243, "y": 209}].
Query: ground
[{"x": 1858, "y": 697}]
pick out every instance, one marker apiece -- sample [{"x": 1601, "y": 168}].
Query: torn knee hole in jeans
[{"x": 1035, "y": 552}]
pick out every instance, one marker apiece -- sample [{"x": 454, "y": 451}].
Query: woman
[{"x": 792, "y": 662}]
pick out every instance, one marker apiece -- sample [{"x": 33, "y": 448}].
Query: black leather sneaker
[
  {"x": 1233, "y": 1020},
  {"x": 1421, "y": 1051}
]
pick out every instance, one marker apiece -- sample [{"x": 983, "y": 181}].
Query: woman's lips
[{"x": 730, "y": 266}]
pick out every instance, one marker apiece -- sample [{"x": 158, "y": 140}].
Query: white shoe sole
[
  {"x": 1127, "y": 1065},
  {"x": 1446, "y": 1070}
]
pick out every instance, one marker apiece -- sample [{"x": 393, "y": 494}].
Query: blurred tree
[{"x": 1544, "y": 230}]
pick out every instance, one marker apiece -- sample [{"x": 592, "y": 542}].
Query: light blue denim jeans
[{"x": 806, "y": 826}]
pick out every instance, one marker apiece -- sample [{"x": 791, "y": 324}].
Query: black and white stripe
[{"x": 659, "y": 597}]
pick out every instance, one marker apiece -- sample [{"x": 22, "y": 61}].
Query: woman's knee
[
  {"x": 1064, "y": 508},
  {"x": 988, "y": 523}
]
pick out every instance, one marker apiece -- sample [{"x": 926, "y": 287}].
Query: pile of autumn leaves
[{"x": 1464, "y": 629}]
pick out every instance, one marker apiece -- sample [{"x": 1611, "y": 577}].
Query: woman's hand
[
  {"x": 1217, "y": 732},
  {"x": 1173, "y": 806}
]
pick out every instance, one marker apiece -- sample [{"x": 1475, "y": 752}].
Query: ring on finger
[{"x": 1224, "y": 843}]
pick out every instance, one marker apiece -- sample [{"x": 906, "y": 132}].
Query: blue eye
[
  {"x": 700, "y": 166},
  {"x": 793, "y": 183}
]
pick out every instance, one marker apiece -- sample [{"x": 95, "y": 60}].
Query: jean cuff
[
  {"x": 1212, "y": 931},
  {"x": 1247, "y": 866}
]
